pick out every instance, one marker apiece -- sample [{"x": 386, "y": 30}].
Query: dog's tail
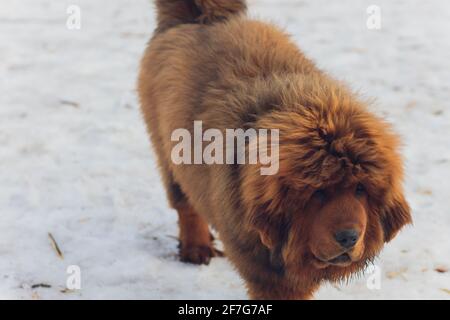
[{"x": 175, "y": 12}]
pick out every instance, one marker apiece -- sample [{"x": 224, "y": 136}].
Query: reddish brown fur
[{"x": 208, "y": 62}]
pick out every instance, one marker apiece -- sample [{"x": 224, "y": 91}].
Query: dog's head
[{"x": 337, "y": 197}]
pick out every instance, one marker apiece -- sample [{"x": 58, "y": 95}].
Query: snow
[{"x": 75, "y": 159}]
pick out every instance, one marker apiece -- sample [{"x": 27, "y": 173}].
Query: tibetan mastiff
[{"x": 337, "y": 196}]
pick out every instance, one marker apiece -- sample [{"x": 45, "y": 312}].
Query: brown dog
[{"x": 337, "y": 197}]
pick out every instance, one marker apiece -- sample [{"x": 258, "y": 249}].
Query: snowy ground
[{"x": 75, "y": 160}]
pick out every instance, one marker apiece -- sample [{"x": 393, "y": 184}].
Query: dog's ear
[
  {"x": 267, "y": 224},
  {"x": 270, "y": 227},
  {"x": 395, "y": 213},
  {"x": 264, "y": 199}
]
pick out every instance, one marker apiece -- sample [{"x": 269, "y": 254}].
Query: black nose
[{"x": 347, "y": 238}]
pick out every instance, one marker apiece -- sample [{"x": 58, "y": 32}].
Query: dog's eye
[
  {"x": 320, "y": 195},
  {"x": 360, "y": 190}
]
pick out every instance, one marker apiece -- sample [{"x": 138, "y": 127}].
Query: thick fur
[{"x": 209, "y": 62}]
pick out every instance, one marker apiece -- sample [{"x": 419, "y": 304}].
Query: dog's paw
[{"x": 198, "y": 254}]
